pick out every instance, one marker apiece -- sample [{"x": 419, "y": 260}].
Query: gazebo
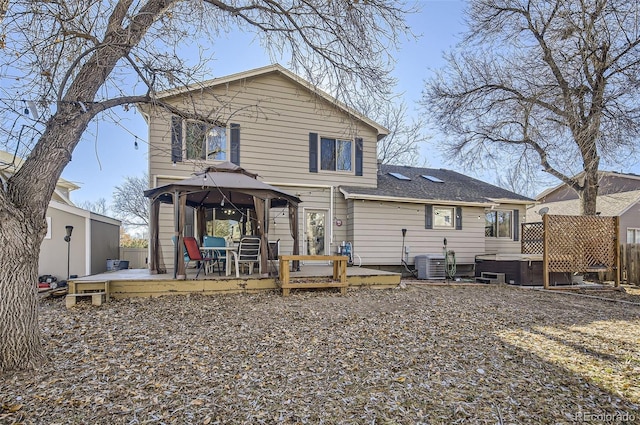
[{"x": 223, "y": 185}]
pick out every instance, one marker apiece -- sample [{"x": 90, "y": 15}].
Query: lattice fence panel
[
  {"x": 532, "y": 241},
  {"x": 580, "y": 243}
]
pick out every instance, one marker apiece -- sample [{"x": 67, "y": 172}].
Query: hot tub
[{"x": 519, "y": 269}]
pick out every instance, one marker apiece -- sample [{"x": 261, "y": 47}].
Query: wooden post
[
  {"x": 545, "y": 251},
  {"x": 616, "y": 241}
]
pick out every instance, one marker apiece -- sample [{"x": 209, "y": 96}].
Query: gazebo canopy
[
  {"x": 223, "y": 181},
  {"x": 224, "y": 185}
]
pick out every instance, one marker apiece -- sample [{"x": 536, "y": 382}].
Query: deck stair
[
  {"x": 490, "y": 277},
  {"x": 97, "y": 290}
]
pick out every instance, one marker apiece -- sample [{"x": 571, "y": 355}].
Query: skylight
[
  {"x": 399, "y": 176},
  {"x": 433, "y": 179}
]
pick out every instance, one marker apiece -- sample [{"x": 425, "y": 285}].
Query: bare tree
[
  {"x": 99, "y": 207},
  {"x": 406, "y": 135},
  {"x": 68, "y": 63},
  {"x": 547, "y": 82},
  {"x": 129, "y": 203}
]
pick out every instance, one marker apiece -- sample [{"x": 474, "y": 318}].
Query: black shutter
[
  {"x": 458, "y": 218},
  {"x": 176, "y": 139},
  {"x": 428, "y": 216},
  {"x": 359, "y": 148},
  {"x": 313, "y": 152},
  {"x": 516, "y": 225},
  {"x": 234, "y": 144}
]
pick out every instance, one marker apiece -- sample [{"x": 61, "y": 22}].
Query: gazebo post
[{"x": 176, "y": 229}]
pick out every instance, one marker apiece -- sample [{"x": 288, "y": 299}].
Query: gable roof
[
  {"x": 611, "y": 205},
  {"x": 279, "y": 69},
  {"x": 601, "y": 175},
  {"x": 449, "y": 188}
]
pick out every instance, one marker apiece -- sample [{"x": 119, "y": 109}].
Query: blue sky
[{"x": 107, "y": 153}]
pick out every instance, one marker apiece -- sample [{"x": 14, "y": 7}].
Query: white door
[{"x": 315, "y": 234}]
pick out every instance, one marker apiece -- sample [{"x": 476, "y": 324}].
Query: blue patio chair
[{"x": 219, "y": 256}]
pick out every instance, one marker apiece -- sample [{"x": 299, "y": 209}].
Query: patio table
[{"x": 230, "y": 251}]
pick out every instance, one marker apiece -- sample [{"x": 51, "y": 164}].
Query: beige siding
[
  {"x": 377, "y": 227},
  {"x": 275, "y": 117}
]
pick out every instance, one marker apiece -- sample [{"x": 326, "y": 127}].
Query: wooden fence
[
  {"x": 531, "y": 243},
  {"x": 630, "y": 263}
]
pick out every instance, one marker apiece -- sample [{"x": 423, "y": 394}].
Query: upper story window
[
  {"x": 335, "y": 154},
  {"x": 205, "y": 142},
  {"x": 498, "y": 224}
]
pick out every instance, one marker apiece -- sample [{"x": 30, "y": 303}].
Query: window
[
  {"x": 633, "y": 235},
  {"x": 498, "y": 224},
  {"x": 335, "y": 155},
  {"x": 443, "y": 216},
  {"x": 205, "y": 142}
]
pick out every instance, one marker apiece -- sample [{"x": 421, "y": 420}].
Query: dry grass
[{"x": 437, "y": 355}]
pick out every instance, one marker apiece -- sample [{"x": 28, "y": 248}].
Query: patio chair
[
  {"x": 191, "y": 244},
  {"x": 219, "y": 257},
  {"x": 249, "y": 253}
]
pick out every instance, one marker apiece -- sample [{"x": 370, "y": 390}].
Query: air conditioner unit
[{"x": 430, "y": 266}]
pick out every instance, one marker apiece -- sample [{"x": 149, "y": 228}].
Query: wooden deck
[{"x": 141, "y": 283}]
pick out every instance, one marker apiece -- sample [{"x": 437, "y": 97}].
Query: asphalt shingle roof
[
  {"x": 610, "y": 205},
  {"x": 455, "y": 187}
]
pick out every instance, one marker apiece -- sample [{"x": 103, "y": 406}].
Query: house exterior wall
[
  {"x": 377, "y": 229},
  {"x": 275, "y": 116},
  {"x": 629, "y": 219}
]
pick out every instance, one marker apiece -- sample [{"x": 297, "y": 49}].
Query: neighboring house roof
[
  {"x": 611, "y": 205},
  {"x": 9, "y": 163},
  {"x": 601, "y": 175},
  {"x": 449, "y": 187},
  {"x": 277, "y": 68}
]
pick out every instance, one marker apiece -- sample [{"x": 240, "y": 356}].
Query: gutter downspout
[{"x": 331, "y": 207}]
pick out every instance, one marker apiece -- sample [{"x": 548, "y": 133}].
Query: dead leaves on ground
[{"x": 484, "y": 354}]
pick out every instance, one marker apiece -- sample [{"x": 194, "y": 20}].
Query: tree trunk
[
  {"x": 25, "y": 197},
  {"x": 588, "y": 195},
  {"x": 20, "y": 237}
]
